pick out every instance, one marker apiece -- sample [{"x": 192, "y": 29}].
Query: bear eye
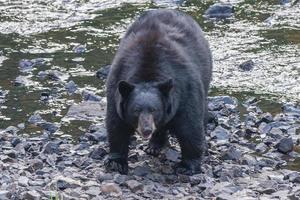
[
  {"x": 152, "y": 110},
  {"x": 137, "y": 110}
]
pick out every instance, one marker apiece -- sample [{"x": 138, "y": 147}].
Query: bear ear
[
  {"x": 125, "y": 88},
  {"x": 166, "y": 86}
]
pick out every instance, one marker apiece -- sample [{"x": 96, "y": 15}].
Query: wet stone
[
  {"x": 231, "y": 154},
  {"x": 103, "y": 72},
  {"x": 134, "y": 185},
  {"x": 247, "y": 66},
  {"x": 57, "y": 75},
  {"x": 93, "y": 191},
  {"x": 141, "y": 171},
  {"x": 5, "y": 195},
  {"x": 104, "y": 177},
  {"x": 32, "y": 195},
  {"x": 79, "y": 49},
  {"x": 219, "y": 10},
  {"x": 293, "y": 177},
  {"x": 26, "y": 65},
  {"x": 261, "y": 148},
  {"x": 12, "y": 130},
  {"x": 35, "y": 119},
  {"x": 98, "y": 153},
  {"x": 51, "y": 147},
  {"x": 23, "y": 181},
  {"x": 220, "y": 134},
  {"x": 108, "y": 188},
  {"x": 64, "y": 183},
  {"x": 48, "y": 126},
  {"x": 172, "y": 154},
  {"x": 120, "y": 179},
  {"x": 89, "y": 96},
  {"x": 71, "y": 87},
  {"x": 285, "y": 145},
  {"x": 15, "y": 141},
  {"x": 22, "y": 81},
  {"x": 98, "y": 136},
  {"x": 35, "y": 165},
  {"x": 248, "y": 160}
]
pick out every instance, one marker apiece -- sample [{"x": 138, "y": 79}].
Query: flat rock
[
  {"x": 285, "y": 145},
  {"x": 32, "y": 195},
  {"x": 232, "y": 154},
  {"x": 247, "y": 65},
  {"x": 219, "y": 10},
  {"x": 103, "y": 72},
  {"x": 88, "y": 110},
  {"x": 134, "y": 185},
  {"x": 5, "y": 195},
  {"x": 109, "y": 188}
]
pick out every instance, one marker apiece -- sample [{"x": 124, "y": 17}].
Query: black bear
[{"x": 158, "y": 84}]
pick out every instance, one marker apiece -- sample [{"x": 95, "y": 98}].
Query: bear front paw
[
  {"x": 153, "y": 149},
  {"x": 116, "y": 164},
  {"x": 189, "y": 167}
]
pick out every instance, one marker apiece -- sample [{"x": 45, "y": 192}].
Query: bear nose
[{"x": 147, "y": 131}]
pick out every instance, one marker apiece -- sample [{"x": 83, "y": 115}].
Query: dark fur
[{"x": 162, "y": 45}]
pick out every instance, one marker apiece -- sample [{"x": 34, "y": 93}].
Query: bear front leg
[
  {"x": 157, "y": 142},
  {"x": 118, "y": 138},
  {"x": 189, "y": 130}
]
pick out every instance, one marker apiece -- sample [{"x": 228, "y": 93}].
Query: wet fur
[{"x": 160, "y": 45}]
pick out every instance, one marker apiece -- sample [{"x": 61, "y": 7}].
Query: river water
[{"x": 78, "y": 37}]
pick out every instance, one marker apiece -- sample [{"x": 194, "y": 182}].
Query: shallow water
[{"x": 264, "y": 31}]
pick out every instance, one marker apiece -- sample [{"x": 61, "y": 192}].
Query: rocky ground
[{"x": 248, "y": 159}]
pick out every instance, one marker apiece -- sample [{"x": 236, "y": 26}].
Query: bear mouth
[{"x": 144, "y": 134}]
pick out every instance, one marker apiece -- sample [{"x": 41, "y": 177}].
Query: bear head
[{"x": 144, "y": 106}]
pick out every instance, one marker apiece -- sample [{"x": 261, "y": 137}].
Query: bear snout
[{"x": 146, "y": 126}]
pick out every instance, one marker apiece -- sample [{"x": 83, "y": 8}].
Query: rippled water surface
[{"x": 77, "y": 38}]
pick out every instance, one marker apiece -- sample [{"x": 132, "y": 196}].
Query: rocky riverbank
[{"x": 249, "y": 158}]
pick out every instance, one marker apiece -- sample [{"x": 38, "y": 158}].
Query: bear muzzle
[{"x": 146, "y": 126}]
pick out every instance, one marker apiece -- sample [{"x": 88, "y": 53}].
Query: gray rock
[
  {"x": 248, "y": 160},
  {"x": 104, "y": 177},
  {"x": 172, "y": 154},
  {"x": 71, "y": 87},
  {"x": 89, "y": 96},
  {"x": 220, "y": 134},
  {"x": 103, "y": 72},
  {"x": 35, "y": 119},
  {"x": 247, "y": 66},
  {"x": 79, "y": 49},
  {"x": 231, "y": 154},
  {"x": 23, "y": 181},
  {"x": 98, "y": 153},
  {"x": 285, "y": 145},
  {"x": 32, "y": 195},
  {"x": 111, "y": 188},
  {"x": 120, "y": 179},
  {"x": 219, "y": 10},
  {"x": 293, "y": 177},
  {"x": 35, "y": 165},
  {"x": 5, "y": 195},
  {"x": 261, "y": 148},
  {"x": 12, "y": 130},
  {"x": 93, "y": 191},
  {"x": 48, "y": 126},
  {"x": 141, "y": 171},
  {"x": 134, "y": 185},
  {"x": 88, "y": 110},
  {"x": 51, "y": 147}
]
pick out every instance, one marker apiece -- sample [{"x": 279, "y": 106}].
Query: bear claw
[
  {"x": 115, "y": 165},
  {"x": 153, "y": 150},
  {"x": 189, "y": 167}
]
